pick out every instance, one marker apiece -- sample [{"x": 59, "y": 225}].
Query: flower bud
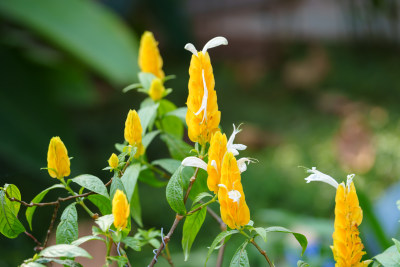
[
  {"x": 113, "y": 161},
  {"x": 157, "y": 89},
  {"x": 149, "y": 56},
  {"x": 58, "y": 164},
  {"x": 120, "y": 210},
  {"x": 133, "y": 132}
]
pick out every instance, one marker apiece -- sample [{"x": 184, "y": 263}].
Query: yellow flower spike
[
  {"x": 216, "y": 154},
  {"x": 120, "y": 210},
  {"x": 157, "y": 89},
  {"x": 149, "y": 56},
  {"x": 234, "y": 210},
  {"x": 133, "y": 132},
  {"x": 203, "y": 116},
  {"x": 58, "y": 164},
  {"x": 113, "y": 161},
  {"x": 347, "y": 246}
]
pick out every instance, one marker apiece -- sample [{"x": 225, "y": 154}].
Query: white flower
[
  {"x": 214, "y": 42},
  {"x": 194, "y": 162},
  {"x": 319, "y": 176},
  {"x": 242, "y": 163},
  {"x": 231, "y": 147}
]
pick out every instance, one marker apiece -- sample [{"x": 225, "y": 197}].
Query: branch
[
  {"x": 178, "y": 218},
  {"x": 51, "y": 224},
  {"x": 262, "y": 252},
  {"x": 222, "y": 225},
  {"x": 37, "y": 248}
]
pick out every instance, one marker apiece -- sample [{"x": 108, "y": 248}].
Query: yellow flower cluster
[
  {"x": 58, "y": 164},
  {"x": 201, "y": 126},
  {"x": 234, "y": 210},
  {"x": 149, "y": 56},
  {"x": 133, "y": 132},
  {"x": 347, "y": 246},
  {"x": 120, "y": 210}
]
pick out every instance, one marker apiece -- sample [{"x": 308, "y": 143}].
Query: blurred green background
[{"x": 315, "y": 84}]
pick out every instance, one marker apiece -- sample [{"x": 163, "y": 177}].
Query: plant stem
[
  {"x": 262, "y": 252},
  {"x": 202, "y": 205}
]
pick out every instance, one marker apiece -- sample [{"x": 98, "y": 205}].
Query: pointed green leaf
[
  {"x": 64, "y": 250},
  {"x": 129, "y": 179},
  {"x": 191, "y": 227},
  {"x": 390, "y": 257},
  {"x": 201, "y": 196},
  {"x": 174, "y": 192},
  {"x": 102, "y": 203},
  {"x": 105, "y": 222},
  {"x": 67, "y": 230},
  {"x": 300, "y": 238},
  {"x": 91, "y": 183},
  {"x": 147, "y": 176},
  {"x": 10, "y": 226},
  {"x": 218, "y": 240},
  {"x": 147, "y": 114},
  {"x": 132, "y": 242},
  {"x": 261, "y": 232},
  {"x": 146, "y": 140},
  {"x": 170, "y": 165},
  {"x": 13, "y": 192},
  {"x": 169, "y": 124},
  {"x": 116, "y": 184},
  {"x": 84, "y": 239},
  {"x": 397, "y": 243},
  {"x": 136, "y": 209},
  {"x": 240, "y": 258},
  {"x": 179, "y": 113},
  {"x": 177, "y": 148},
  {"x": 145, "y": 79}
]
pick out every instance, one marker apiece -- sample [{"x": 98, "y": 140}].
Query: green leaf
[
  {"x": 84, "y": 239},
  {"x": 105, "y": 222},
  {"x": 116, "y": 184},
  {"x": 120, "y": 260},
  {"x": 177, "y": 148},
  {"x": 179, "y": 113},
  {"x": 67, "y": 230},
  {"x": 302, "y": 264},
  {"x": 201, "y": 196},
  {"x": 397, "y": 243},
  {"x": 218, "y": 240},
  {"x": 91, "y": 183},
  {"x": 390, "y": 257},
  {"x": 169, "y": 124},
  {"x": 148, "y": 138},
  {"x": 10, "y": 226},
  {"x": 300, "y": 238},
  {"x": 64, "y": 250},
  {"x": 240, "y": 258},
  {"x": 132, "y": 242},
  {"x": 191, "y": 227},
  {"x": 131, "y": 87},
  {"x": 74, "y": 27},
  {"x": 69, "y": 263},
  {"x": 147, "y": 114},
  {"x": 136, "y": 209},
  {"x": 199, "y": 186},
  {"x": 13, "y": 192},
  {"x": 170, "y": 165},
  {"x": 261, "y": 232},
  {"x": 145, "y": 79},
  {"x": 31, "y": 210},
  {"x": 147, "y": 176},
  {"x": 174, "y": 192},
  {"x": 32, "y": 264},
  {"x": 102, "y": 203},
  {"x": 129, "y": 179}
]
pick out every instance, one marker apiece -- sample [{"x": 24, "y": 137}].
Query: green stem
[
  {"x": 78, "y": 200},
  {"x": 91, "y": 214},
  {"x": 109, "y": 245},
  {"x": 202, "y": 206}
]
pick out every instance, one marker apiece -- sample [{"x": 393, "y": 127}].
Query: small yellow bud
[
  {"x": 120, "y": 210},
  {"x": 133, "y": 132},
  {"x": 149, "y": 55},
  {"x": 113, "y": 161},
  {"x": 57, "y": 159},
  {"x": 157, "y": 89},
  {"x": 234, "y": 210}
]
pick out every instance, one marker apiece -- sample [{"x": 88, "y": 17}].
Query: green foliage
[
  {"x": 299, "y": 237},
  {"x": 67, "y": 230},
  {"x": 240, "y": 258},
  {"x": 91, "y": 183},
  {"x": 64, "y": 250},
  {"x": 120, "y": 260},
  {"x": 136, "y": 208},
  {"x": 302, "y": 264},
  {"x": 10, "y": 226},
  {"x": 177, "y": 147},
  {"x": 116, "y": 184},
  {"x": 174, "y": 192},
  {"x": 169, "y": 124},
  {"x": 84, "y": 239},
  {"x": 218, "y": 239},
  {"x": 31, "y": 210},
  {"x": 129, "y": 179},
  {"x": 170, "y": 165},
  {"x": 102, "y": 203},
  {"x": 13, "y": 192},
  {"x": 105, "y": 222},
  {"x": 147, "y": 115},
  {"x": 191, "y": 227},
  {"x": 390, "y": 257}
]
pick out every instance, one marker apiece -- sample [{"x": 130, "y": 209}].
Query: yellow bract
[
  {"x": 113, "y": 161},
  {"x": 157, "y": 89},
  {"x": 347, "y": 246},
  {"x": 133, "y": 132},
  {"x": 120, "y": 210},
  {"x": 57, "y": 159},
  {"x": 149, "y": 56},
  {"x": 216, "y": 154},
  {"x": 234, "y": 210},
  {"x": 199, "y": 129}
]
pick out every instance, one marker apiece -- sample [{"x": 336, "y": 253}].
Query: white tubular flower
[
  {"x": 214, "y": 42},
  {"x": 204, "y": 100},
  {"x": 321, "y": 177},
  {"x": 190, "y": 47},
  {"x": 194, "y": 162},
  {"x": 242, "y": 163},
  {"x": 231, "y": 147},
  {"x": 234, "y": 195}
]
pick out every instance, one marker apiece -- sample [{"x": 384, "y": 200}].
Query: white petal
[
  {"x": 349, "y": 180},
  {"x": 194, "y": 162},
  {"x": 214, "y": 42},
  {"x": 242, "y": 163},
  {"x": 214, "y": 164},
  {"x": 203, "y": 101},
  {"x": 234, "y": 147},
  {"x": 321, "y": 177},
  {"x": 233, "y": 151},
  {"x": 239, "y": 146},
  {"x": 190, "y": 47},
  {"x": 234, "y": 195},
  {"x": 222, "y": 185}
]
